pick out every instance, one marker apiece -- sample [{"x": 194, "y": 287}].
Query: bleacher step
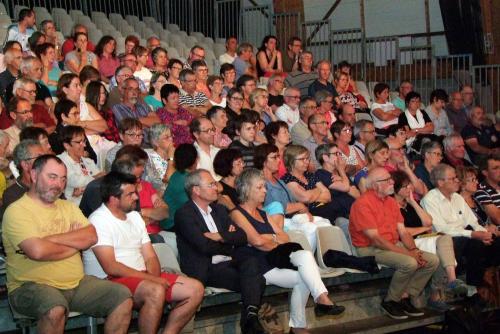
[
  {"x": 381, "y": 324},
  {"x": 362, "y": 301}
]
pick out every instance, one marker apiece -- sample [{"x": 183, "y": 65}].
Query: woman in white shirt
[{"x": 383, "y": 112}]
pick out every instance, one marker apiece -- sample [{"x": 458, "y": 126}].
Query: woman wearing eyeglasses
[
  {"x": 377, "y": 155},
  {"x": 468, "y": 186},
  {"x": 419, "y": 224},
  {"x": 258, "y": 102},
  {"x": 306, "y": 187},
  {"x": 174, "y": 115},
  {"x": 229, "y": 164},
  {"x": 80, "y": 169},
  {"x": 342, "y": 135},
  {"x": 282, "y": 263}
]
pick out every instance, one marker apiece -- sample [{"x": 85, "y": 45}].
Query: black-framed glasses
[
  {"x": 303, "y": 159},
  {"x": 321, "y": 123},
  {"x": 134, "y": 135},
  {"x": 389, "y": 179},
  {"x": 208, "y": 130},
  {"x": 338, "y": 154}
]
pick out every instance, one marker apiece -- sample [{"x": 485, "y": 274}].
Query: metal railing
[
  {"x": 286, "y": 26},
  {"x": 486, "y": 84},
  {"x": 256, "y": 24},
  {"x": 316, "y": 38}
]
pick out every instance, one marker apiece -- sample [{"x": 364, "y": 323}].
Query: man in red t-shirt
[{"x": 377, "y": 229}]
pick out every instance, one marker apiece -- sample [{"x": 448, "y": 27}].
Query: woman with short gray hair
[
  {"x": 294, "y": 268},
  {"x": 160, "y": 167}
]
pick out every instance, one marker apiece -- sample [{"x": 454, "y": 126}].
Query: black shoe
[
  {"x": 409, "y": 309},
  {"x": 321, "y": 310},
  {"x": 252, "y": 326},
  {"x": 393, "y": 310}
]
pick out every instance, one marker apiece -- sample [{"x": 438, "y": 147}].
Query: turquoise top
[
  {"x": 175, "y": 196},
  {"x": 153, "y": 102}
]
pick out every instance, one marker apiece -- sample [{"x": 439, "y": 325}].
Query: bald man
[{"x": 377, "y": 229}]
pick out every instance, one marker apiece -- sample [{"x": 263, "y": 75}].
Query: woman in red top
[{"x": 106, "y": 54}]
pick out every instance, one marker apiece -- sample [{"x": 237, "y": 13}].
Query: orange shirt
[{"x": 371, "y": 212}]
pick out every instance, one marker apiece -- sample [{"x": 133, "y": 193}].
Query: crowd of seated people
[{"x": 106, "y": 154}]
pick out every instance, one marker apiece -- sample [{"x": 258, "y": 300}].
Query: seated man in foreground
[
  {"x": 43, "y": 237},
  {"x": 451, "y": 215},
  {"x": 126, "y": 256},
  {"x": 206, "y": 238},
  {"x": 377, "y": 229}
]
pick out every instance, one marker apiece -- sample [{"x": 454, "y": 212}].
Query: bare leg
[
  {"x": 149, "y": 298},
  {"x": 118, "y": 321},
  {"x": 324, "y": 299},
  {"x": 53, "y": 321},
  {"x": 450, "y": 273},
  {"x": 188, "y": 293}
]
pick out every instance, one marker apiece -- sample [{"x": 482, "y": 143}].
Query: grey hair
[
  {"x": 448, "y": 140},
  {"x": 359, "y": 125},
  {"x": 27, "y": 63},
  {"x": 288, "y": 90},
  {"x": 193, "y": 179},
  {"x": 322, "y": 150},
  {"x": 438, "y": 173},
  {"x": 322, "y": 95},
  {"x": 22, "y": 152},
  {"x": 155, "y": 131},
  {"x": 124, "y": 166},
  {"x": 21, "y": 83},
  {"x": 184, "y": 73},
  {"x": 244, "y": 182},
  {"x": 428, "y": 146}
]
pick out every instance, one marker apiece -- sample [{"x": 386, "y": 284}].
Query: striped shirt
[
  {"x": 486, "y": 195},
  {"x": 197, "y": 99}
]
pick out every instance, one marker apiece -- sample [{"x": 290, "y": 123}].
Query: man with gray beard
[
  {"x": 20, "y": 111},
  {"x": 132, "y": 107}
]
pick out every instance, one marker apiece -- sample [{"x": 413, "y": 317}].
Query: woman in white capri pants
[{"x": 266, "y": 238}]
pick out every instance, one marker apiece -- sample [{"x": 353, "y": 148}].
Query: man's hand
[
  {"x": 485, "y": 236},
  {"x": 213, "y": 236},
  {"x": 232, "y": 228},
  {"x": 417, "y": 255},
  {"x": 162, "y": 281}
]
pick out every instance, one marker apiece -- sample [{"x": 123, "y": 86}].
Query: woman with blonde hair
[{"x": 258, "y": 102}]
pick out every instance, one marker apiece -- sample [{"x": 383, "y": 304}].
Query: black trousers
[
  {"x": 473, "y": 257},
  {"x": 242, "y": 276}
]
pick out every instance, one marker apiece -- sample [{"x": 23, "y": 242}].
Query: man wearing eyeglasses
[
  {"x": 206, "y": 238},
  {"x": 131, "y": 133},
  {"x": 377, "y": 229},
  {"x": 300, "y": 131},
  {"x": 20, "y": 111},
  {"x": 203, "y": 131},
  {"x": 196, "y": 53},
  {"x": 24, "y": 155},
  {"x": 364, "y": 132},
  {"x": 289, "y": 111},
  {"x": 319, "y": 135},
  {"x": 132, "y": 107},
  {"x": 479, "y": 246},
  {"x": 27, "y": 89}
]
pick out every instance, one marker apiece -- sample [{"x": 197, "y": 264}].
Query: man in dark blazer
[{"x": 206, "y": 238}]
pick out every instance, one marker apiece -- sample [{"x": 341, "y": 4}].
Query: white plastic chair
[
  {"x": 173, "y": 53},
  {"x": 166, "y": 256},
  {"x": 173, "y": 27}
]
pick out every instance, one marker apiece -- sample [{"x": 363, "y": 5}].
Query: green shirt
[{"x": 175, "y": 196}]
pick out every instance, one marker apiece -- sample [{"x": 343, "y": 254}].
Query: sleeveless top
[
  {"x": 250, "y": 251},
  {"x": 260, "y": 70}
]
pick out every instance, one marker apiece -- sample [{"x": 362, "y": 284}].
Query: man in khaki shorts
[{"x": 43, "y": 237}]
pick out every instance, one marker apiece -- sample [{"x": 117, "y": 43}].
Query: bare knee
[
  {"x": 197, "y": 289},
  {"x": 150, "y": 292},
  {"x": 55, "y": 315}
]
